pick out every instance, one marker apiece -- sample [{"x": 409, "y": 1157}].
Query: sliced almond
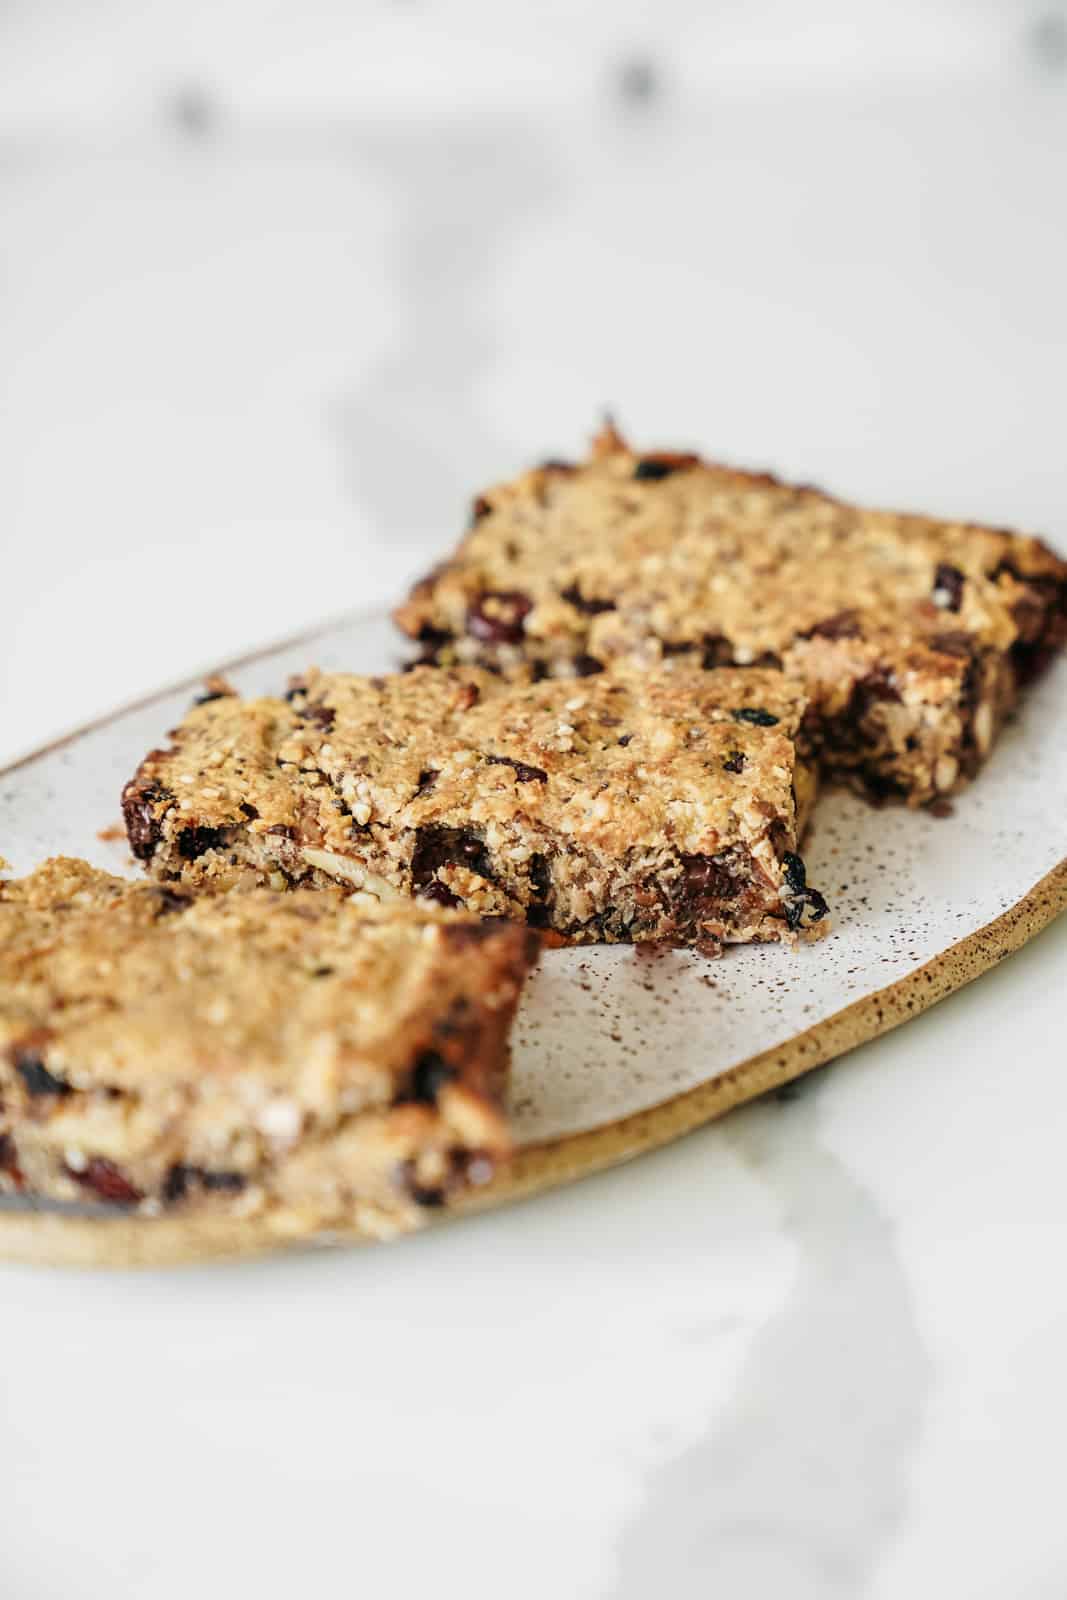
[{"x": 352, "y": 872}]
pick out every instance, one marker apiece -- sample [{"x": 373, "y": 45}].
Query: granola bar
[
  {"x": 662, "y": 806},
  {"x": 911, "y": 635},
  {"x": 330, "y": 1059}
]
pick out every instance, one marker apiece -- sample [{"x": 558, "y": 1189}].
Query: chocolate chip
[
  {"x": 462, "y": 933},
  {"x": 586, "y": 666},
  {"x": 794, "y": 872},
  {"x": 795, "y": 907},
  {"x": 651, "y": 468},
  {"x": 756, "y": 716},
  {"x": 524, "y": 773},
  {"x": 553, "y": 465},
  {"x": 439, "y": 892},
  {"x": 36, "y": 1076},
  {"x": 709, "y": 877},
  {"x": 437, "y": 847},
  {"x": 948, "y": 587},
  {"x": 842, "y": 625},
  {"x": 107, "y": 1181},
  {"x": 540, "y": 876},
  {"x": 880, "y": 787},
  {"x": 800, "y": 898},
  {"x": 211, "y": 694},
  {"x": 426, "y": 780},
  {"x": 323, "y": 972},
  {"x": 480, "y": 508},
  {"x": 716, "y": 651},
  {"x": 624, "y": 738},
  {"x": 175, "y": 1184},
  {"x": 734, "y": 762},
  {"x": 143, "y": 829},
  {"x": 955, "y": 643},
  {"x": 193, "y": 842},
  {"x": 282, "y": 830},
  {"x": 505, "y": 623},
  {"x": 429, "y": 1076},
  {"x": 591, "y": 606},
  {"x": 249, "y": 811},
  {"x": 322, "y": 716},
  {"x": 223, "y": 1182},
  {"x": 423, "y": 1196},
  {"x": 179, "y": 1178},
  {"x": 432, "y": 640}
]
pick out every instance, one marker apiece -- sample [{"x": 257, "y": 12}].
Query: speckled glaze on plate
[{"x": 617, "y": 1051}]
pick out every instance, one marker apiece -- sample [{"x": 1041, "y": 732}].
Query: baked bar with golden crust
[
  {"x": 662, "y": 805},
  {"x": 332, "y": 1059},
  {"x": 911, "y": 635}
]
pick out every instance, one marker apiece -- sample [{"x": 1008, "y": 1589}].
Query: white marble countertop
[{"x": 274, "y": 304}]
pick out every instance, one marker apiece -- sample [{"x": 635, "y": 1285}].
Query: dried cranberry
[
  {"x": 734, "y": 762},
  {"x": 143, "y": 829},
  {"x": 36, "y": 1076},
  {"x": 105, "y": 1179},
  {"x": 589, "y": 605},
  {"x": 524, "y": 773},
  {"x": 9, "y": 1160},
  {"x": 756, "y": 715},
  {"x": 948, "y": 587},
  {"x": 480, "y": 508},
  {"x": 193, "y": 842},
  {"x": 505, "y": 623}
]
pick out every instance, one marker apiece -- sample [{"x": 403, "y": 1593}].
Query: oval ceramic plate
[{"x": 617, "y": 1051}]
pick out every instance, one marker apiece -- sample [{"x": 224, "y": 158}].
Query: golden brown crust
[
  {"x": 305, "y": 1054},
  {"x": 911, "y": 634},
  {"x": 655, "y": 805}
]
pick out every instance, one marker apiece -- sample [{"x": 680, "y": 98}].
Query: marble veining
[{"x": 798, "y": 1487}]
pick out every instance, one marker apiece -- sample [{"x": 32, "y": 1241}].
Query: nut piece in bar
[
  {"x": 911, "y": 635},
  {"x": 308, "y": 1056},
  {"x": 662, "y": 805}
]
